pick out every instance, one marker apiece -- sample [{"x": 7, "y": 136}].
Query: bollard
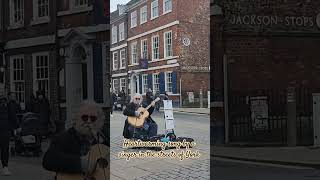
[{"x": 201, "y": 99}]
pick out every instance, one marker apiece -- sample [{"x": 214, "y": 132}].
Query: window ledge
[
  {"x": 15, "y": 26},
  {"x": 143, "y": 22},
  {"x": 114, "y": 69},
  {"x": 41, "y": 20},
  {"x": 131, "y": 27},
  {"x": 133, "y": 64},
  {"x": 75, "y": 10},
  {"x": 164, "y": 59},
  {"x": 152, "y": 18},
  {"x": 164, "y": 13},
  {"x": 122, "y": 68}
]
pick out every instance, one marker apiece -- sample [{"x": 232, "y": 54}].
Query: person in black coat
[
  {"x": 42, "y": 108},
  {"x": 67, "y": 150},
  {"x": 8, "y": 123},
  {"x": 131, "y": 110}
]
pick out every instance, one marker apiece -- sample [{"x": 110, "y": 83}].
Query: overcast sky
[{"x": 113, "y": 4}]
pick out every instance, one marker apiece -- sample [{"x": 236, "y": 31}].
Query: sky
[{"x": 113, "y": 4}]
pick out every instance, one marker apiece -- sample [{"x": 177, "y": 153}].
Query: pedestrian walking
[
  {"x": 123, "y": 98},
  {"x": 113, "y": 101},
  {"x": 8, "y": 124},
  {"x": 157, "y": 107},
  {"x": 43, "y": 110},
  {"x": 30, "y": 105}
]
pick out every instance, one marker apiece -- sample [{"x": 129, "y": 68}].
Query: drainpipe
[{"x": 226, "y": 114}]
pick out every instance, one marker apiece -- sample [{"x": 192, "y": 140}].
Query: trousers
[{"x": 4, "y": 147}]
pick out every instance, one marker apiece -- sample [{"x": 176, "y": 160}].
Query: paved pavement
[
  {"x": 27, "y": 168},
  {"x": 229, "y": 170},
  {"x": 189, "y": 125},
  {"x": 300, "y": 156}
]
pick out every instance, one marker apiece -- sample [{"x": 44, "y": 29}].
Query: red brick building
[
  {"x": 168, "y": 47},
  {"x": 259, "y": 50},
  {"x": 61, "y": 47}
]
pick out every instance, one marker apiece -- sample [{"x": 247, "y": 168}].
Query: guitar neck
[{"x": 156, "y": 100}]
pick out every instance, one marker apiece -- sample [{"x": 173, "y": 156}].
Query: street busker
[
  {"x": 150, "y": 126},
  {"x": 68, "y": 150}
]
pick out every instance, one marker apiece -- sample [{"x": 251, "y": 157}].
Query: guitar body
[
  {"x": 138, "y": 121},
  {"x": 100, "y": 173}
]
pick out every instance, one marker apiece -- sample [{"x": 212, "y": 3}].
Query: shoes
[{"x": 6, "y": 172}]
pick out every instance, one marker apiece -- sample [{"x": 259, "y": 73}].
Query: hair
[
  {"x": 92, "y": 104},
  {"x": 135, "y": 96}
]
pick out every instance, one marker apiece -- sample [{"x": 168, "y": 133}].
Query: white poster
[
  {"x": 259, "y": 112},
  {"x": 191, "y": 97},
  {"x": 167, "y": 104}
]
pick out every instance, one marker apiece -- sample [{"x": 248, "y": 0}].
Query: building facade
[
  {"x": 56, "y": 46},
  {"x": 119, "y": 65},
  {"x": 265, "y": 57},
  {"x": 168, "y": 47}
]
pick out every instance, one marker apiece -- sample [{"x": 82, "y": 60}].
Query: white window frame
[
  {"x": 133, "y": 19},
  {"x": 136, "y": 53},
  {"x": 166, "y": 82},
  {"x": 35, "y": 68},
  {"x": 122, "y": 59},
  {"x": 144, "y": 83},
  {"x": 18, "y": 24},
  {"x": 115, "y": 61},
  {"x": 165, "y": 45},
  {"x": 164, "y": 8},
  {"x": 143, "y": 14},
  {"x": 142, "y": 48},
  {"x": 114, "y": 34},
  {"x": 125, "y": 84},
  {"x": 113, "y": 85},
  {"x": 155, "y": 90},
  {"x": 121, "y": 32},
  {"x": 22, "y": 80},
  {"x": 36, "y": 18},
  {"x": 154, "y": 6},
  {"x": 153, "y": 48}
]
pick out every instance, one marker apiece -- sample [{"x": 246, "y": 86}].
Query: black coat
[
  {"x": 65, "y": 152},
  {"x": 13, "y": 110},
  {"x": 130, "y": 111},
  {"x": 42, "y": 107}
]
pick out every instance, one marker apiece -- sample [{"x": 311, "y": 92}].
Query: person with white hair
[
  {"x": 150, "y": 126},
  {"x": 67, "y": 151}
]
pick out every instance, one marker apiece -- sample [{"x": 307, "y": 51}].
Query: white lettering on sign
[
  {"x": 196, "y": 68},
  {"x": 302, "y": 21}
]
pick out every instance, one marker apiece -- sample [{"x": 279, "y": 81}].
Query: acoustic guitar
[
  {"x": 100, "y": 172},
  {"x": 139, "y": 121}
]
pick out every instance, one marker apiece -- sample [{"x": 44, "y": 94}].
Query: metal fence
[{"x": 241, "y": 120}]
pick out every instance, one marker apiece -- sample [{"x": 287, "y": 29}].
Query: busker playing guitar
[
  {"x": 69, "y": 152},
  {"x": 150, "y": 126}
]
